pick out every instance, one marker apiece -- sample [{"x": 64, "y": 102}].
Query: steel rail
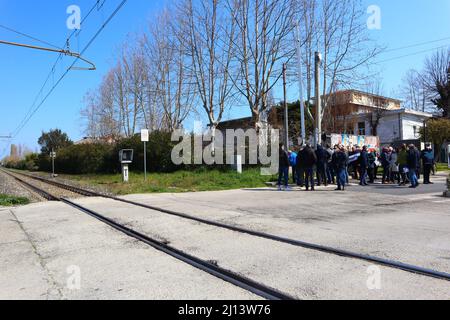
[
  {"x": 35, "y": 189},
  {"x": 326, "y": 249},
  {"x": 74, "y": 189},
  {"x": 242, "y": 282},
  {"x": 339, "y": 252},
  {"x": 228, "y": 276}
]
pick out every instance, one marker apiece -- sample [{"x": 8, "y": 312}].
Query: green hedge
[
  {"x": 104, "y": 158},
  {"x": 29, "y": 163}
]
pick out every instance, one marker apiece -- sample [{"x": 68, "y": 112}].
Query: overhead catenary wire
[
  {"x": 414, "y": 53},
  {"x": 53, "y": 68},
  {"x": 30, "y": 37},
  {"x": 91, "y": 41},
  {"x": 416, "y": 45}
]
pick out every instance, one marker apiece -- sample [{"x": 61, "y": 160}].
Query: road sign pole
[
  {"x": 145, "y": 138},
  {"x": 145, "y": 161}
]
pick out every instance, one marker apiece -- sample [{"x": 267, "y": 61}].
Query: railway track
[
  {"x": 206, "y": 266},
  {"x": 326, "y": 249}
]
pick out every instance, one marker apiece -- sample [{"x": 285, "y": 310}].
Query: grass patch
[
  {"x": 443, "y": 167},
  {"x": 8, "y": 201},
  {"x": 181, "y": 181}
]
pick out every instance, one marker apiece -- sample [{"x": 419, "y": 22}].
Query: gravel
[
  {"x": 77, "y": 184},
  {"x": 53, "y": 190},
  {"x": 11, "y": 187}
]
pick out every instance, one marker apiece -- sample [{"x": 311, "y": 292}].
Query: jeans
[
  {"x": 403, "y": 174},
  {"x": 363, "y": 179},
  {"x": 386, "y": 174},
  {"x": 300, "y": 177},
  {"x": 284, "y": 172},
  {"x": 330, "y": 174},
  {"x": 309, "y": 178},
  {"x": 413, "y": 178},
  {"x": 341, "y": 177}
]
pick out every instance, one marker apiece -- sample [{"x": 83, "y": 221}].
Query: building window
[
  {"x": 415, "y": 132},
  {"x": 362, "y": 128}
]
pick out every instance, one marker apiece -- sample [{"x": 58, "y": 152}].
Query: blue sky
[{"x": 23, "y": 71}]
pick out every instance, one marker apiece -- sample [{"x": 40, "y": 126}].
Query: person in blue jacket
[
  {"x": 427, "y": 157},
  {"x": 293, "y": 163}
]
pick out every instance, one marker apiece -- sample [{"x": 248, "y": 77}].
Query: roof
[
  {"x": 235, "y": 122},
  {"x": 412, "y": 112},
  {"x": 366, "y": 93}
]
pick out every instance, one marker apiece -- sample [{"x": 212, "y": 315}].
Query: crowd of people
[{"x": 336, "y": 166}]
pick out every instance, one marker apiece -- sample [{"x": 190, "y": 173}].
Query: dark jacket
[
  {"x": 427, "y": 157},
  {"x": 284, "y": 159},
  {"x": 384, "y": 159},
  {"x": 371, "y": 159},
  {"x": 418, "y": 158},
  {"x": 413, "y": 162},
  {"x": 308, "y": 157},
  {"x": 364, "y": 159},
  {"x": 322, "y": 155},
  {"x": 340, "y": 160}
]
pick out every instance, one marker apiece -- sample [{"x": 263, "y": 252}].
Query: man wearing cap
[{"x": 427, "y": 157}]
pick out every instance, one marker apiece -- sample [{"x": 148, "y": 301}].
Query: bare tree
[
  {"x": 173, "y": 83},
  {"x": 379, "y": 105},
  {"x": 413, "y": 89},
  {"x": 263, "y": 44},
  {"x": 90, "y": 114},
  {"x": 100, "y": 113},
  {"x": 338, "y": 30},
  {"x": 436, "y": 79},
  {"x": 132, "y": 77},
  {"x": 108, "y": 114},
  {"x": 208, "y": 32}
]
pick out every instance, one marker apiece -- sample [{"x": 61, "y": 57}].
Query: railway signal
[
  {"x": 126, "y": 158},
  {"x": 53, "y": 156}
]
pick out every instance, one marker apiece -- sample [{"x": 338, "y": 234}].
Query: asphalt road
[
  {"x": 436, "y": 188},
  {"x": 40, "y": 242}
]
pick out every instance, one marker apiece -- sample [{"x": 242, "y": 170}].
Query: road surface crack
[{"x": 53, "y": 285}]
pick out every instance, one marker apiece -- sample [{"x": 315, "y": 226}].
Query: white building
[
  {"x": 361, "y": 113},
  {"x": 399, "y": 125}
]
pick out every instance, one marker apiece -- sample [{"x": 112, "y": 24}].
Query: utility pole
[
  {"x": 425, "y": 133},
  {"x": 300, "y": 83},
  {"x": 286, "y": 111},
  {"x": 318, "y": 133}
]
